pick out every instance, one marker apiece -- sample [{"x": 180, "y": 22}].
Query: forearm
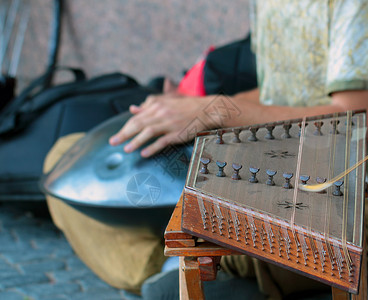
[
  {"x": 174, "y": 119},
  {"x": 252, "y": 112}
]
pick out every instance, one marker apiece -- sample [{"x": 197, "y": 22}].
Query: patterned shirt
[{"x": 307, "y": 49}]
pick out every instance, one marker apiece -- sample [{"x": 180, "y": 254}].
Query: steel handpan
[{"x": 109, "y": 184}]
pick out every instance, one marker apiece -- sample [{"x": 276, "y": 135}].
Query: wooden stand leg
[
  {"x": 191, "y": 287},
  {"x": 338, "y": 294}
]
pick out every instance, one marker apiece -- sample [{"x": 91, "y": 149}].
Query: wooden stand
[{"x": 199, "y": 261}]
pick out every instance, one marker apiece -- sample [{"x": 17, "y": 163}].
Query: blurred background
[{"x": 142, "y": 38}]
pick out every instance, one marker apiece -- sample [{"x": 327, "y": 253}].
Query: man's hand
[
  {"x": 164, "y": 116},
  {"x": 169, "y": 114}
]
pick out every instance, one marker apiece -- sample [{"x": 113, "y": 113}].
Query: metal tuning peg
[
  {"x": 287, "y": 184},
  {"x": 270, "y": 174},
  {"x": 253, "y": 172},
  {"x": 236, "y": 168},
  {"x": 269, "y": 135},
  {"x": 236, "y": 138},
  {"x": 287, "y": 127},
  {"x": 337, "y": 189},
  {"x": 318, "y": 130},
  {"x": 205, "y": 161},
  {"x": 300, "y": 124},
  {"x": 304, "y": 178},
  {"x": 253, "y": 131},
  {"x": 221, "y": 165},
  {"x": 219, "y": 134},
  {"x": 321, "y": 180},
  {"x": 334, "y": 124},
  {"x": 352, "y": 122}
]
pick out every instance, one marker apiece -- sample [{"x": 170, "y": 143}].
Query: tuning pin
[
  {"x": 318, "y": 125},
  {"x": 286, "y": 127},
  {"x": 351, "y": 123},
  {"x": 253, "y": 131},
  {"x": 321, "y": 180},
  {"x": 337, "y": 189},
  {"x": 253, "y": 178},
  {"x": 236, "y": 138},
  {"x": 304, "y": 179},
  {"x": 205, "y": 161},
  {"x": 300, "y": 124},
  {"x": 236, "y": 168},
  {"x": 219, "y": 134},
  {"x": 270, "y": 174},
  {"x": 287, "y": 184},
  {"x": 269, "y": 135},
  {"x": 221, "y": 165},
  {"x": 334, "y": 124}
]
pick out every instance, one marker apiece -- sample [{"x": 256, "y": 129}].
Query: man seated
[{"x": 311, "y": 60}]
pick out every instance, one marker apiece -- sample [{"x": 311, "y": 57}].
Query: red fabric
[{"x": 192, "y": 83}]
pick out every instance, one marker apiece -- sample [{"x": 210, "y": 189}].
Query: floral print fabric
[{"x": 307, "y": 49}]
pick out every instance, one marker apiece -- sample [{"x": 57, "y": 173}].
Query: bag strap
[
  {"x": 9, "y": 113},
  {"x": 100, "y": 84}
]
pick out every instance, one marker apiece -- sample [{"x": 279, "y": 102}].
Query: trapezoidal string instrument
[{"x": 242, "y": 192}]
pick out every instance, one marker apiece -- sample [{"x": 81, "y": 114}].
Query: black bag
[
  {"x": 231, "y": 69},
  {"x": 32, "y": 123}
]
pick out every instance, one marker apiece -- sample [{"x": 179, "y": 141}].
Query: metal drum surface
[{"x": 117, "y": 187}]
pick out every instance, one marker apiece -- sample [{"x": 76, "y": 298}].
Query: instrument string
[
  {"x": 360, "y": 153},
  {"x": 346, "y": 192},
  {"x": 323, "y": 186},
  {"x": 345, "y": 199},
  {"x": 297, "y": 174},
  {"x": 329, "y": 196},
  {"x": 356, "y": 181},
  {"x": 311, "y": 202},
  {"x": 197, "y": 167}
]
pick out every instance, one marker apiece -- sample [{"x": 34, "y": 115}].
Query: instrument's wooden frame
[
  {"x": 293, "y": 260},
  {"x": 257, "y": 234},
  {"x": 199, "y": 261}
]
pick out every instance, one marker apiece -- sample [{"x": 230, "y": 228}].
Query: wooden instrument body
[{"x": 316, "y": 234}]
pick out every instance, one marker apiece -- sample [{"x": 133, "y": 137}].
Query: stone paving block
[
  {"x": 58, "y": 246},
  {"x": 9, "y": 272},
  {"x": 92, "y": 282},
  {"x": 4, "y": 264},
  {"x": 11, "y": 295},
  {"x": 25, "y": 232},
  {"x": 66, "y": 275},
  {"x": 55, "y": 242},
  {"x": 47, "y": 290},
  {"x": 63, "y": 251},
  {"x": 10, "y": 243},
  {"x": 24, "y": 220},
  {"x": 37, "y": 263},
  {"x": 11, "y": 215},
  {"x": 73, "y": 262},
  {"x": 43, "y": 266},
  {"x": 57, "y": 297},
  {"x": 47, "y": 224},
  {"x": 104, "y": 294},
  {"x": 23, "y": 280},
  {"x": 27, "y": 254}
]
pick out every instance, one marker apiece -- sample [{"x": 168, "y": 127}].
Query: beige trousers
[{"x": 121, "y": 256}]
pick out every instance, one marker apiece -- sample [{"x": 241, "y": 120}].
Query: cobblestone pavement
[{"x": 36, "y": 261}]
